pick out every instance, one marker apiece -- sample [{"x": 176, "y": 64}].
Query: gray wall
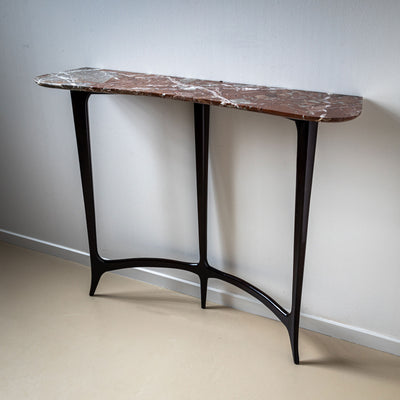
[{"x": 143, "y": 148}]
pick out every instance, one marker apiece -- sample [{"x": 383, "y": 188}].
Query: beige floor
[{"x": 137, "y": 341}]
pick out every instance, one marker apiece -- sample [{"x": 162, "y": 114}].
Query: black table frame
[{"x": 306, "y": 142}]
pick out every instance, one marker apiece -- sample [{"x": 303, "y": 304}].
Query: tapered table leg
[
  {"x": 307, "y": 135},
  {"x": 306, "y": 142},
  {"x": 80, "y": 111},
  {"x": 201, "y": 129}
]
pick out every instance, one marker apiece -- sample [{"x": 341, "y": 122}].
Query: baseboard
[
  {"x": 45, "y": 247},
  {"x": 335, "y": 329}
]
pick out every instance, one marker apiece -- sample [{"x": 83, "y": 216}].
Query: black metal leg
[
  {"x": 80, "y": 111},
  {"x": 306, "y": 142},
  {"x": 307, "y": 135},
  {"x": 201, "y": 129},
  {"x": 97, "y": 272},
  {"x": 203, "y": 291}
]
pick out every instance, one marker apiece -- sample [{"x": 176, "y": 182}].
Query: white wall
[{"x": 144, "y": 152}]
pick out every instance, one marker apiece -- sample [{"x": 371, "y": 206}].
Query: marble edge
[{"x": 91, "y": 89}]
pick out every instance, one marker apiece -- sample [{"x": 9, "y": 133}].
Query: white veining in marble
[{"x": 313, "y": 106}]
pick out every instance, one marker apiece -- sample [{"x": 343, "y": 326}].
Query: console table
[{"x": 305, "y": 108}]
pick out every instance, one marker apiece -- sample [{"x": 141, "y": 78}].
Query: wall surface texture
[{"x": 143, "y": 148}]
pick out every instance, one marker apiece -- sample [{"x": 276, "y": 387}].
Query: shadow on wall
[
  {"x": 253, "y": 179},
  {"x": 252, "y": 187},
  {"x": 252, "y": 159}
]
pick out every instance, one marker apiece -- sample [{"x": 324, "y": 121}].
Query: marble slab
[{"x": 296, "y": 104}]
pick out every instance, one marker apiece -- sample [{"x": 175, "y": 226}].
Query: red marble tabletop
[{"x": 296, "y": 104}]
